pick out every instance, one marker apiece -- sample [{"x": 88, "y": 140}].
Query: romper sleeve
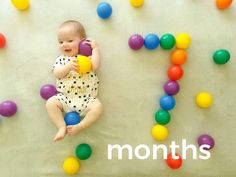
[{"x": 60, "y": 61}]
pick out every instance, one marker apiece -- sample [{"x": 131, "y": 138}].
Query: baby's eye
[
  {"x": 60, "y": 42},
  {"x": 70, "y": 41}
]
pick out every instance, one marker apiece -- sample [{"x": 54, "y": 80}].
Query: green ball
[
  {"x": 162, "y": 117},
  {"x": 167, "y": 41},
  {"x": 221, "y": 56},
  {"x": 83, "y": 151}
]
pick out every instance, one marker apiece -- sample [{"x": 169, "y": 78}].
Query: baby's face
[{"x": 69, "y": 40}]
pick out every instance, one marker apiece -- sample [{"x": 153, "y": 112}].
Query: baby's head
[{"x": 70, "y": 34}]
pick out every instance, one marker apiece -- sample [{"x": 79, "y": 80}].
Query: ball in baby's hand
[
  {"x": 85, "y": 64},
  {"x": 72, "y": 118},
  {"x": 85, "y": 49}
]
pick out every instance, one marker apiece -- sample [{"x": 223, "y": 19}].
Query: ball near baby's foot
[
  {"x": 71, "y": 166},
  {"x": 83, "y": 151},
  {"x": 72, "y": 118}
]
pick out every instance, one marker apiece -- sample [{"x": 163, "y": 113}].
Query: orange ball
[
  {"x": 175, "y": 72},
  {"x": 2, "y": 40},
  {"x": 179, "y": 57},
  {"x": 223, "y": 4},
  {"x": 174, "y": 163}
]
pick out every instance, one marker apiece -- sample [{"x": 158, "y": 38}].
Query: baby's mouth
[{"x": 67, "y": 50}]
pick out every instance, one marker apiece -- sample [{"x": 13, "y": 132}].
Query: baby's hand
[
  {"x": 92, "y": 43},
  {"x": 72, "y": 65}
]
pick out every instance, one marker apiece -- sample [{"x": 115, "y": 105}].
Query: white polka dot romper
[{"x": 76, "y": 91}]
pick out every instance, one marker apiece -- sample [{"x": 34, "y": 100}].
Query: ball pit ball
[
  {"x": 167, "y": 41},
  {"x": 174, "y": 163},
  {"x": 167, "y": 102},
  {"x": 183, "y": 41},
  {"x": 171, "y": 87},
  {"x": 83, "y": 151},
  {"x": 2, "y": 40},
  {"x": 179, "y": 57},
  {"x": 21, "y": 4},
  {"x": 48, "y": 91},
  {"x": 85, "y": 64},
  {"x": 136, "y": 42},
  {"x": 175, "y": 72},
  {"x": 204, "y": 99},
  {"x": 71, "y": 166},
  {"x": 72, "y": 118},
  {"x": 85, "y": 49},
  {"x": 159, "y": 132},
  {"x": 136, "y": 3},
  {"x": 206, "y": 139},
  {"x": 223, "y": 4},
  {"x": 221, "y": 56},
  {"x": 104, "y": 10},
  {"x": 8, "y": 108},
  {"x": 162, "y": 117},
  {"x": 151, "y": 41}
]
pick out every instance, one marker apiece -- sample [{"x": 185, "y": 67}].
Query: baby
[{"x": 76, "y": 92}]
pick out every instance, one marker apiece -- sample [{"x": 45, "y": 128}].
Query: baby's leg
[
  {"x": 94, "y": 112},
  {"x": 54, "y": 109}
]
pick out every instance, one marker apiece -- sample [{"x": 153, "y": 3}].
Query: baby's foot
[
  {"x": 60, "y": 134},
  {"x": 74, "y": 129}
]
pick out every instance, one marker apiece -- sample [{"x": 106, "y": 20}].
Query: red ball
[
  {"x": 175, "y": 72},
  {"x": 2, "y": 40},
  {"x": 174, "y": 163}
]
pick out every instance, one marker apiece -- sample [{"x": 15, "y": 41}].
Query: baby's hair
[{"x": 78, "y": 26}]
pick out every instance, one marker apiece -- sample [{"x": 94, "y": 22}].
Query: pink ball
[
  {"x": 171, "y": 87},
  {"x": 48, "y": 91},
  {"x": 206, "y": 139},
  {"x": 136, "y": 42},
  {"x": 8, "y": 108},
  {"x": 85, "y": 49}
]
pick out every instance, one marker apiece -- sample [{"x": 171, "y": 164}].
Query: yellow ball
[
  {"x": 21, "y": 4},
  {"x": 159, "y": 132},
  {"x": 85, "y": 64},
  {"x": 183, "y": 41},
  {"x": 204, "y": 100},
  {"x": 71, "y": 166},
  {"x": 137, "y": 3}
]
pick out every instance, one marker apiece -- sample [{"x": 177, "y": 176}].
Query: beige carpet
[{"x": 131, "y": 84}]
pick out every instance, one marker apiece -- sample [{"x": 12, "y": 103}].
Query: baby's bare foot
[
  {"x": 74, "y": 129},
  {"x": 60, "y": 134}
]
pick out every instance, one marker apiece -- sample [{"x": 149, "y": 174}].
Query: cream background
[{"x": 131, "y": 84}]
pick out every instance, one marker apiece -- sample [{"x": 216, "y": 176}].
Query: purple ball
[
  {"x": 136, "y": 42},
  {"x": 206, "y": 139},
  {"x": 85, "y": 49},
  {"x": 48, "y": 91},
  {"x": 8, "y": 108},
  {"x": 171, "y": 87}
]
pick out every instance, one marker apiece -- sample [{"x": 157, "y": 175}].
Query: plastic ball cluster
[{"x": 71, "y": 165}]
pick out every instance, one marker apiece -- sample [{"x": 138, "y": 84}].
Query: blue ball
[
  {"x": 151, "y": 41},
  {"x": 104, "y": 10},
  {"x": 72, "y": 118},
  {"x": 167, "y": 102}
]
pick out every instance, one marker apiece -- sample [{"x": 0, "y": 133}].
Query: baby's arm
[
  {"x": 62, "y": 71},
  {"x": 95, "y": 58}
]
